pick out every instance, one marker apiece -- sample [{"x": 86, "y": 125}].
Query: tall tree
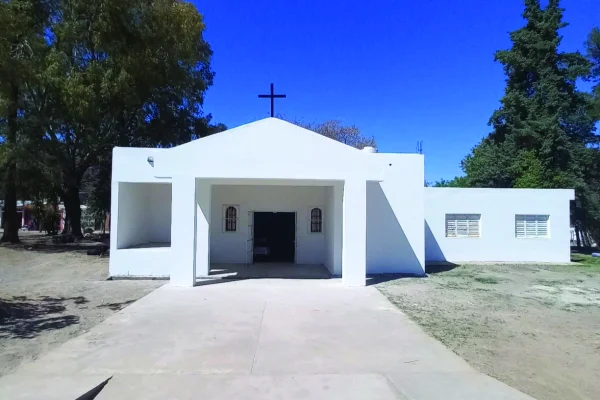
[
  {"x": 542, "y": 117},
  {"x": 22, "y": 26},
  {"x": 593, "y": 52},
  {"x": 120, "y": 73},
  {"x": 543, "y": 132}
]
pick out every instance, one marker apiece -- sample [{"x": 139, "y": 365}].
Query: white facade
[
  {"x": 497, "y": 240},
  {"x": 168, "y": 207}
]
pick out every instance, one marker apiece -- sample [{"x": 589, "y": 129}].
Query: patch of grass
[
  {"x": 455, "y": 285},
  {"x": 462, "y": 271},
  {"x": 550, "y": 283},
  {"x": 586, "y": 260},
  {"x": 488, "y": 280}
]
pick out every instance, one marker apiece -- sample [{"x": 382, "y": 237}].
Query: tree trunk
[
  {"x": 73, "y": 211},
  {"x": 11, "y": 226}
]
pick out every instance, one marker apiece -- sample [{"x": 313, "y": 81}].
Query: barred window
[
  {"x": 230, "y": 219},
  {"x": 531, "y": 226},
  {"x": 316, "y": 220},
  {"x": 463, "y": 225}
]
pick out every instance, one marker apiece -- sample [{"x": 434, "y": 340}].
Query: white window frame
[
  {"x": 224, "y": 218},
  {"x": 309, "y": 226},
  {"x": 535, "y": 222},
  {"x": 467, "y": 221}
]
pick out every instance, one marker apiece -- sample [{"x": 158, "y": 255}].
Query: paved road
[{"x": 256, "y": 339}]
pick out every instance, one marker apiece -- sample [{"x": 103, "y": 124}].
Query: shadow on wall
[
  {"x": 433, "y": 251},
  {"x": 387, "y": 244}
]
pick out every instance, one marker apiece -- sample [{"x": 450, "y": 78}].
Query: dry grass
[
  {"x": 48, "y": 297},
  {"x": 535, "y": 327}
]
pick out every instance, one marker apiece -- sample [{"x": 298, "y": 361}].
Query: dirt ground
[
  {"x": 50, "y": 294},
  {"x": 536, "y": 328}
]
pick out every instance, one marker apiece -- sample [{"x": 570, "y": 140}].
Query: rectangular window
[
  {"x": 531, "y": 226},
  {"x": 463, "y": 225}
]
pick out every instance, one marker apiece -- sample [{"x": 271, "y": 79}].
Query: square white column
[
  {"x": 203, "y": 204},
  {"x": 354, "y": 238},
  {"x": 338, "y": 226},
  {"x": 183, "y": 231}
]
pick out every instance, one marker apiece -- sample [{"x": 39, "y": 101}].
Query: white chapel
[{"x": 272, "y": 192}]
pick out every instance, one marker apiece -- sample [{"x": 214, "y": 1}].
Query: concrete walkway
[{"x": 256, "y": 339}]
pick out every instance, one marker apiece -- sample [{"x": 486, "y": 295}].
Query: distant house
[
  {"x": 271, "y": 190},
  {"x": 24, "y": 214},
  {"x": 25, "y": 217}
]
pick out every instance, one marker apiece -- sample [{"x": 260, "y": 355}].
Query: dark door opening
[{"x": 274, "y": 236}]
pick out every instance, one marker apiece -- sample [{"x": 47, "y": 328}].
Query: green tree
[
  {"x": 22, "y": 46},
  {"x": 593, "y": 52},
  {"x": 458, "y": 182},
  {"x": 543, "y": 134},
  {"x": 120, "y": 73}
]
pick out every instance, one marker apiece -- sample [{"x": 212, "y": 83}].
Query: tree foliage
[
  {"x": 593, "y": 52},
  {"x": 458, "y": 182},
  {"x": 109, "y": 73},
  {"x": 543, "y": 135},
  {"x": 22, "y": 47}
]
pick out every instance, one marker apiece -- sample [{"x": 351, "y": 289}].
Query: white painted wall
[
  {"x": 328, "y": 222},
  {"x": 267, "y": 149},
  {"x": 497, "y": 208},
  {"x": 131, "y": 228},
  {"x": 395, "y": 215},
  {"x": 130, "y": 165},
  {"x": 145, "y": 216},
  {"x": 333, "y": 227},
  {"x": 230, "y": 247},
  {"x": 378, "y": 200},
  {"x": 354, "y": 243},
  {"x": 147, "y": 262},
  {"x": 145, "y": 210}
]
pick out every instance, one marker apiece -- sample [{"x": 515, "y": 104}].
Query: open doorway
[{"x": 274, "y": 237}]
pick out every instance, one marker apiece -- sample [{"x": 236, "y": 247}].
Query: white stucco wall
[
  {"x": 266, "y": 149},
  {"x": 328, "y": 228},
  {"x": 130, "y": 165},
  {"x": 145, "y": 210},
  {"x": 395, "y": 215},
  {"x": 498, "y": 208},
  {"x": 230, "y": 247},
  {"x": 333, "y": 227}
]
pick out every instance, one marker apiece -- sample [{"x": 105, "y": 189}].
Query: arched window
[
  {"x": 316, "y": 220},
  {"x": 230, "y": 219}
]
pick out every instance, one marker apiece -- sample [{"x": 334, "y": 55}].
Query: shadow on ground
[
  {"x": 25, "y": 318},
  {"x": 50, "y": 244},
  {"x": 376, "y": 279},
  {"x": 439, "y": 268},
  {"x": 116, "y": 306}
]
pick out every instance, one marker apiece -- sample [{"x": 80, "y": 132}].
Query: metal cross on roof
[{"x": 272, "y": 96}]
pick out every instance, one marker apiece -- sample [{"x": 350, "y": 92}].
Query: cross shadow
[{"x": 25, "y": 318}]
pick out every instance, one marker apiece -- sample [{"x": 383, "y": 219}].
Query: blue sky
[{"x": 401, "y": 71}]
